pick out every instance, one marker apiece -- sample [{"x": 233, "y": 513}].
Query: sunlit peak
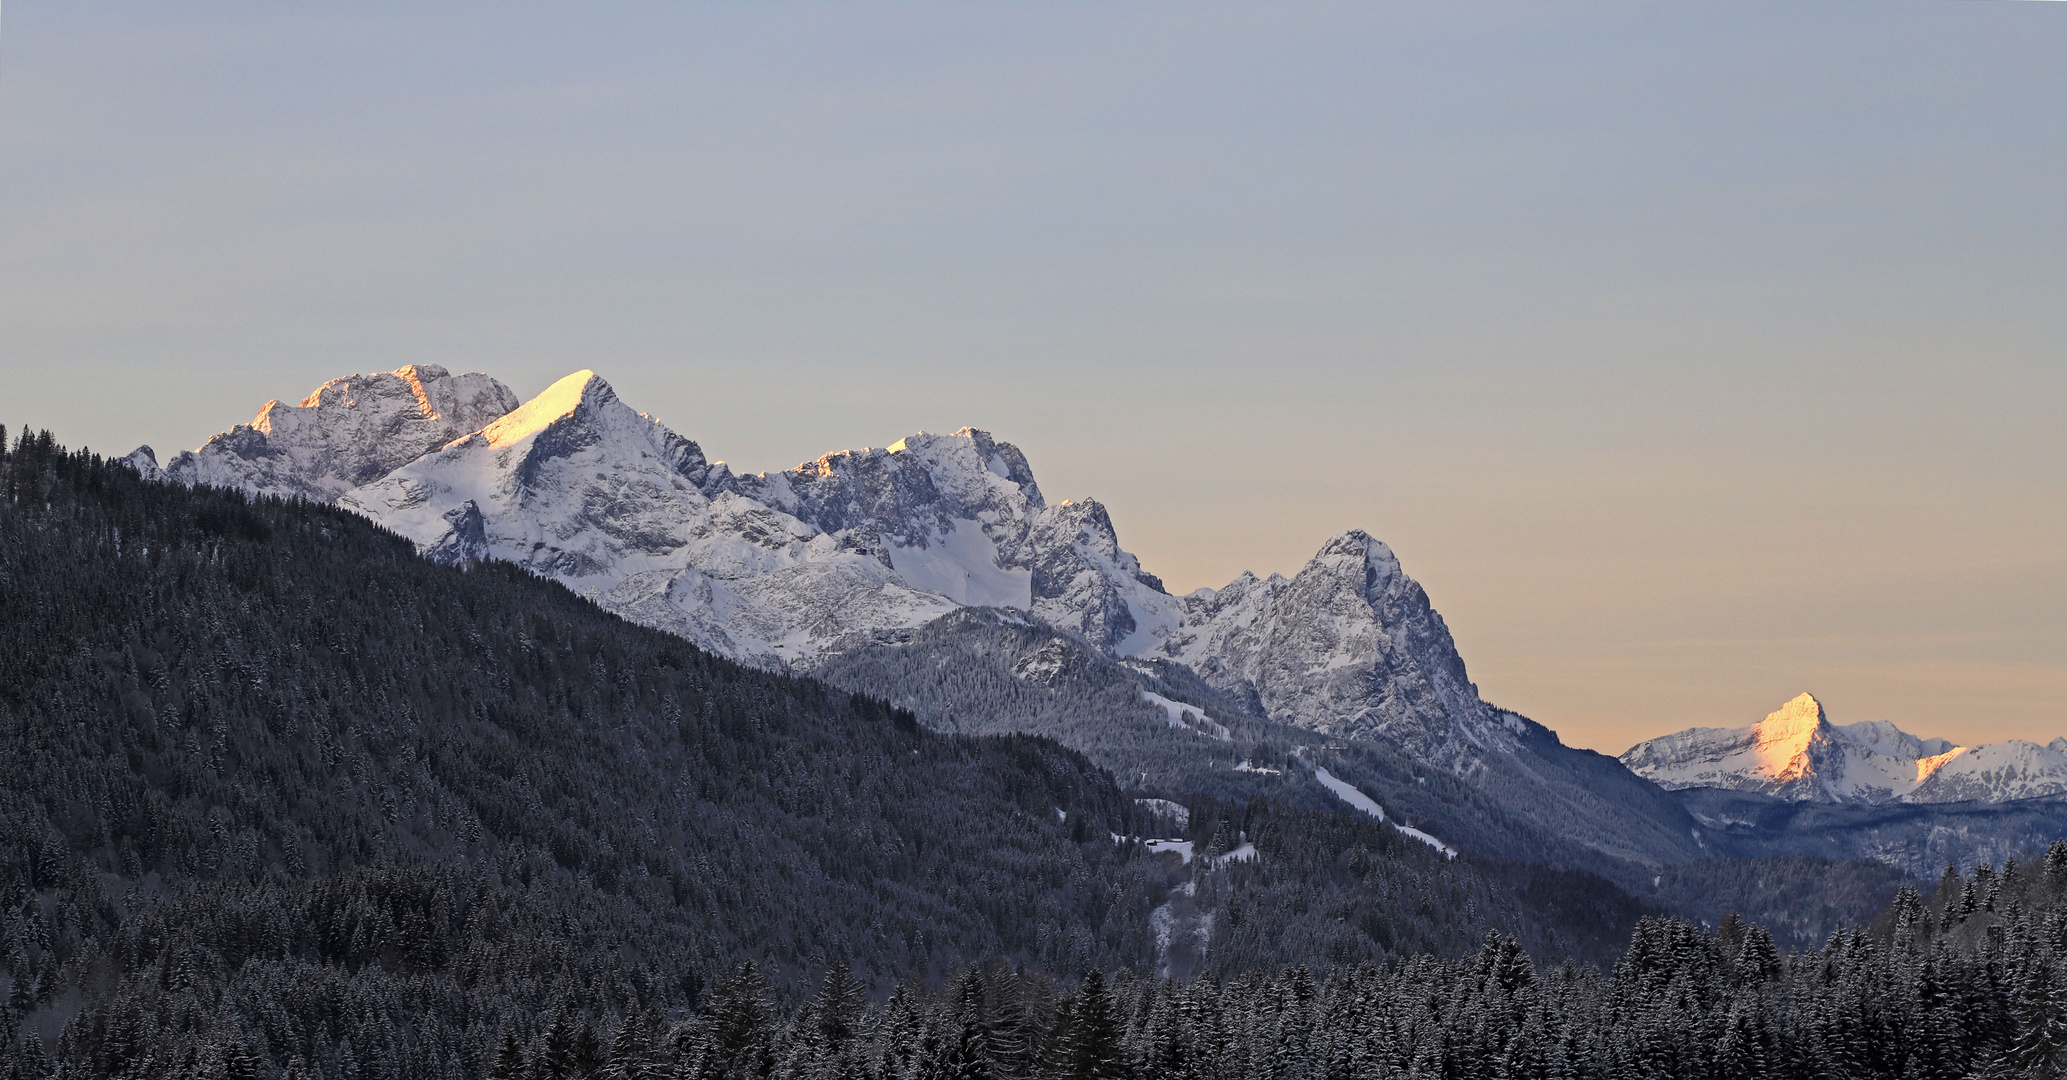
[{"x": 555, "y": 401}]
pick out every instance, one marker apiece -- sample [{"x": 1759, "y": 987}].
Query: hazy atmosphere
[{"x": 1691, "y": 357}]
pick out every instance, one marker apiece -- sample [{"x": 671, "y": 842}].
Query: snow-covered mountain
[
  {"x": 351, "y": 431},
  {"x": 1349, "y": 645},
  {"x": 852, "y": 549},
  {"x": 1796, "y": 753},
  {"x": 576, "y": 485}
]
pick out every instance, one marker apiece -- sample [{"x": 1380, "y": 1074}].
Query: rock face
[
  {"x": 960, "y": 516},
  {"x": 351, "y": 431},
  {"x": 576, "y": 486},
  {"x": 856, "y": 548},
  {"x": 1349, "y": 646},
  {"x": 1796, "y": 753}
]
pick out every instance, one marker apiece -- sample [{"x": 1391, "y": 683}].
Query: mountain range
[
  {"x": 839, "y": 567},
  {"x": 856, "y": 550}
]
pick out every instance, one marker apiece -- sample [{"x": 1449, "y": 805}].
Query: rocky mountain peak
[
  {"x": 1355, "y": 554},
  {"x": 1786, "y": 737},
  {"x": 1801, "y": 713},
  {"x": 916, "y": 486},
  {"x": 348, "y": 432}
]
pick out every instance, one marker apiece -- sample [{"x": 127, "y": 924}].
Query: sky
[{"x": 1691, "y": 356}]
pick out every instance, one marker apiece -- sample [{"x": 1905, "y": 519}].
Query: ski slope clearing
[
  {"x": 1191, "y": 717},
  {"x": 1348, "y": 793}
]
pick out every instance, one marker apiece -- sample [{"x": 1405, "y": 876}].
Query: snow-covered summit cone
[
  {"x": 349, "y": 432},
  {"x": 577, "y": 486},
  {"x": 1796, "y": 753}
]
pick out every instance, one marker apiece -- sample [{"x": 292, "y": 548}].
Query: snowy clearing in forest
[
  {"x": 1348, "y": 793},
  {"x": 1189, "y": 717}
]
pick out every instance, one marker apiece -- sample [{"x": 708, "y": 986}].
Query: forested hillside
[
  {"x": 265, "y": 753},
  {"x": 1799, "y": 900},
  {"x": 278, "y": 794},
  {"x": 991, "y": 671}
]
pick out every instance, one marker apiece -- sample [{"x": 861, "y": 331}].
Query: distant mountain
[
  {"x": 1797, "y": 754},
  {"x": 1919, "y": 839}
]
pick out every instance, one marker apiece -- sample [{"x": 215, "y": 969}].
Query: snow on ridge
[
  {"x": 1166, "y": 808},
  {"x": 1348, "y": 793},
  {"x": 558, "y": 401}
]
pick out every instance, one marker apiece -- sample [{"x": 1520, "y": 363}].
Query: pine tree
[
  {"x": 1527, "y": 1054},
  {"x": 1010, "y": 1025},
  {"x": 240, "y": 1061},
  {"x": 2054, "y": 870},
  {"x": 739, "y": 1037},
  {"x": 964, "y": 1048},
  {"x": 1092, "y": 1047},
  {"x": 33, "y": 1062},
  {"x": 586, "y": 1054},
  {"x": 632, "y": 1051},
  {"x": 1737, "y": 1055},
  {"x": 1757, "y": 960},
  {"x": 840, "y": 1007},
  {"x": 1994, "y": 1067},
  {"x": 1061, "y": 1041},
  {"x": 509, "y": 1059},
  {"x": 2040, "y": 1049},
  {"x": 897, "y": 1036},
  {"x": 555, "y": 1060}
]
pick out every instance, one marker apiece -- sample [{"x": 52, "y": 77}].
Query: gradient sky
[{"x": 1692, "y": 356}]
